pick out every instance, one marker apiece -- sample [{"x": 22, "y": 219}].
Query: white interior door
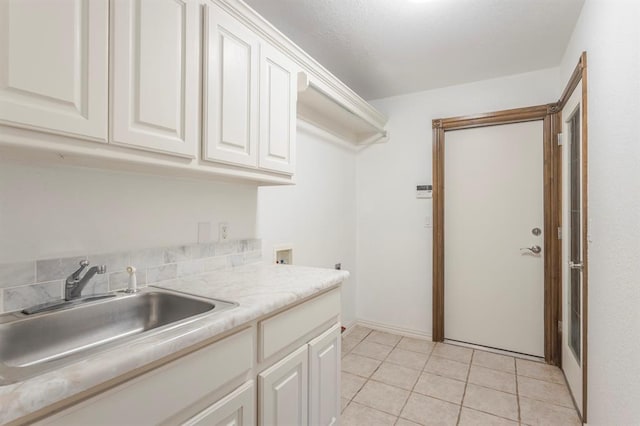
[
  {"x": 572, "y": 250},
  {"x": 494, "y": 235}
]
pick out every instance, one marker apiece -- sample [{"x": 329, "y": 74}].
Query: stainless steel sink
[{"x": 33, "y": 344}]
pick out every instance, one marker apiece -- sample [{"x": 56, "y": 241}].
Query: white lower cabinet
[
  {"x": 293, "y": 380},
  {"x": 284, "y": 389},
  {"x": 324, "y": 378},
  {"x": 236, "y": 409}
]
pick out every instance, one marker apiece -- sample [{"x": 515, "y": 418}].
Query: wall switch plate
[
  {"x": 428, "y": 223},
  {"x": 223, "y": 231},
  {"x": 204, "y": 232}
]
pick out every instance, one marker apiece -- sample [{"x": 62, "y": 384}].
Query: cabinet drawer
[
  {"x": 167, "y": 391},
  {"x": 278, "y": 332}
]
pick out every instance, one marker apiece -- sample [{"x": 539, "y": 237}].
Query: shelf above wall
[{"x": 346, "y": 120}]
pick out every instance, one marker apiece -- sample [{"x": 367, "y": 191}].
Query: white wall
[
  {"x": 394, "y": 247},
  {"x": 608, "y": 31},
  {"x": 318, "y": 214},
  {"x": 52, "y": 211}
]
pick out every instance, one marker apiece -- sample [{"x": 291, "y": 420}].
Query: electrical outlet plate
[{"x": 223, "y": 231}]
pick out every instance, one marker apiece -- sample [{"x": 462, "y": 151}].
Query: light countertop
[{"x": 259, "y": 289}]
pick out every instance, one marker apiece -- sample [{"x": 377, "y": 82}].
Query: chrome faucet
[{"x": 74, "y": 285}]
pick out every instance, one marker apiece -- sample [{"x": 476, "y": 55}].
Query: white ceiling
[{"x": 383, "y": 48}]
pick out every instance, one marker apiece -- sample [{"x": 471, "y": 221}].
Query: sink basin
[{"x": 33, "y": 344}]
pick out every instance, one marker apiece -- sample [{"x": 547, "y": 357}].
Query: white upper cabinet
[
  {"x": 155, "y": 75},
  {"x": 278, "y": 95},
  {"x": 231, "y": 90},
  {"x": 53, "y": 66}
]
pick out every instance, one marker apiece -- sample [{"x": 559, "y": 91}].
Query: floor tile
[
  {"x": 540, "y": 371},
  {"x": 494, "y": 379},
  {"x": 452, "y": 352},
  {"x": 358, "y": 415},
  {"x": 491, "y": 401},
  {"x": 544, "y": 391},
  {"x": 348, "y": 343},
  {"x": 469, "y": 417},
  {"x": 405, "y": 422},
  {"x": 350, "y": 384},
  {"x": 407, "y": 358},
  {"x": 380, "y": 396},
  {"x": 383, "y": 338},
  {"x": 430, "y": 411},
  {"x": 416, "y": 345},
  {"x": 372, "y": 350},
  {"x": 358, "y": 332},
  {"x": 396, "y": 375},
  {"x": 440, "y": 387},
  {"x": 494, "y": 361},
  {"x": 343, "y": 404},
  {"x": 536, "y": 413},
  {"x": 359, "y": 365},
  {"x": 447, "y": 367}
]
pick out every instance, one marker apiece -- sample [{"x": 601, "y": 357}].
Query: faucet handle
[
  {"x": 101, "y": 269},
  {"x": 76, "y": 275}
]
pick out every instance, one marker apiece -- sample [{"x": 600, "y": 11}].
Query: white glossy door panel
[
  {"x": 278, "y": 96},
  {"x": 53, "y": 66},
  {"x": 324, "y": 378},
  {"x": 231, "y": 90},
  {"x": 155, "y": 75},
  {"x": 284, "y": 391}
]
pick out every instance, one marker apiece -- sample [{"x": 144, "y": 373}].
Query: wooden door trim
[
  {"x": 547, "y": 114},
  {"x": 579, "y": 76}
]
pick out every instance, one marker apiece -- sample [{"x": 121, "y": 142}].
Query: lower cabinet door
[
  {"x": 324, "y": 378},
  {"x": 283, "y": 391},
  {"x": 236, "y": 409}
]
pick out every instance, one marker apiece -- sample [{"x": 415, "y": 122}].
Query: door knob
[{"x": 533, "y": 249}]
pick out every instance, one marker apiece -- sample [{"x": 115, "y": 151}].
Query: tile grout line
[
  {"x": 466, "y": 383},
  {"x": 414, "y": 385},
  {"x": 374, "y": 372},
  {"x": 515, "y": 364},
  {"x": 341, "y": 372}
]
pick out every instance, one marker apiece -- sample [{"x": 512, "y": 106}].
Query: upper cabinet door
[
  {"x": 155, "y": 75},
  {"x": 278, "y": 96},
  {"x": 231, "y": 90},
  {"x": 53, "y": 66}
]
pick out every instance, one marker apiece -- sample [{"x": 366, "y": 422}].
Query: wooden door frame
[
  {"x": 579, "y": 76},
  {"x": 552, "y": 210}
]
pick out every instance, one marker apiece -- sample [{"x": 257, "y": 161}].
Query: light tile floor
[{"x": 394, "y": 380}]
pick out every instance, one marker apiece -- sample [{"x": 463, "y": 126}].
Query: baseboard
[{"x": 416, "y": 334}]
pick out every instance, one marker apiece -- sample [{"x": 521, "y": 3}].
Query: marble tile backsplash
[{"x": 24, "y": 284}]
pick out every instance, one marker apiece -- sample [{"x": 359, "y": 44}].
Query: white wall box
[
  {"x": 53, "y": 66},
  {"x": 284, "y": 390},
  {"x": 154, "y": 104},
  {"x": 231, "y": 90}
]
